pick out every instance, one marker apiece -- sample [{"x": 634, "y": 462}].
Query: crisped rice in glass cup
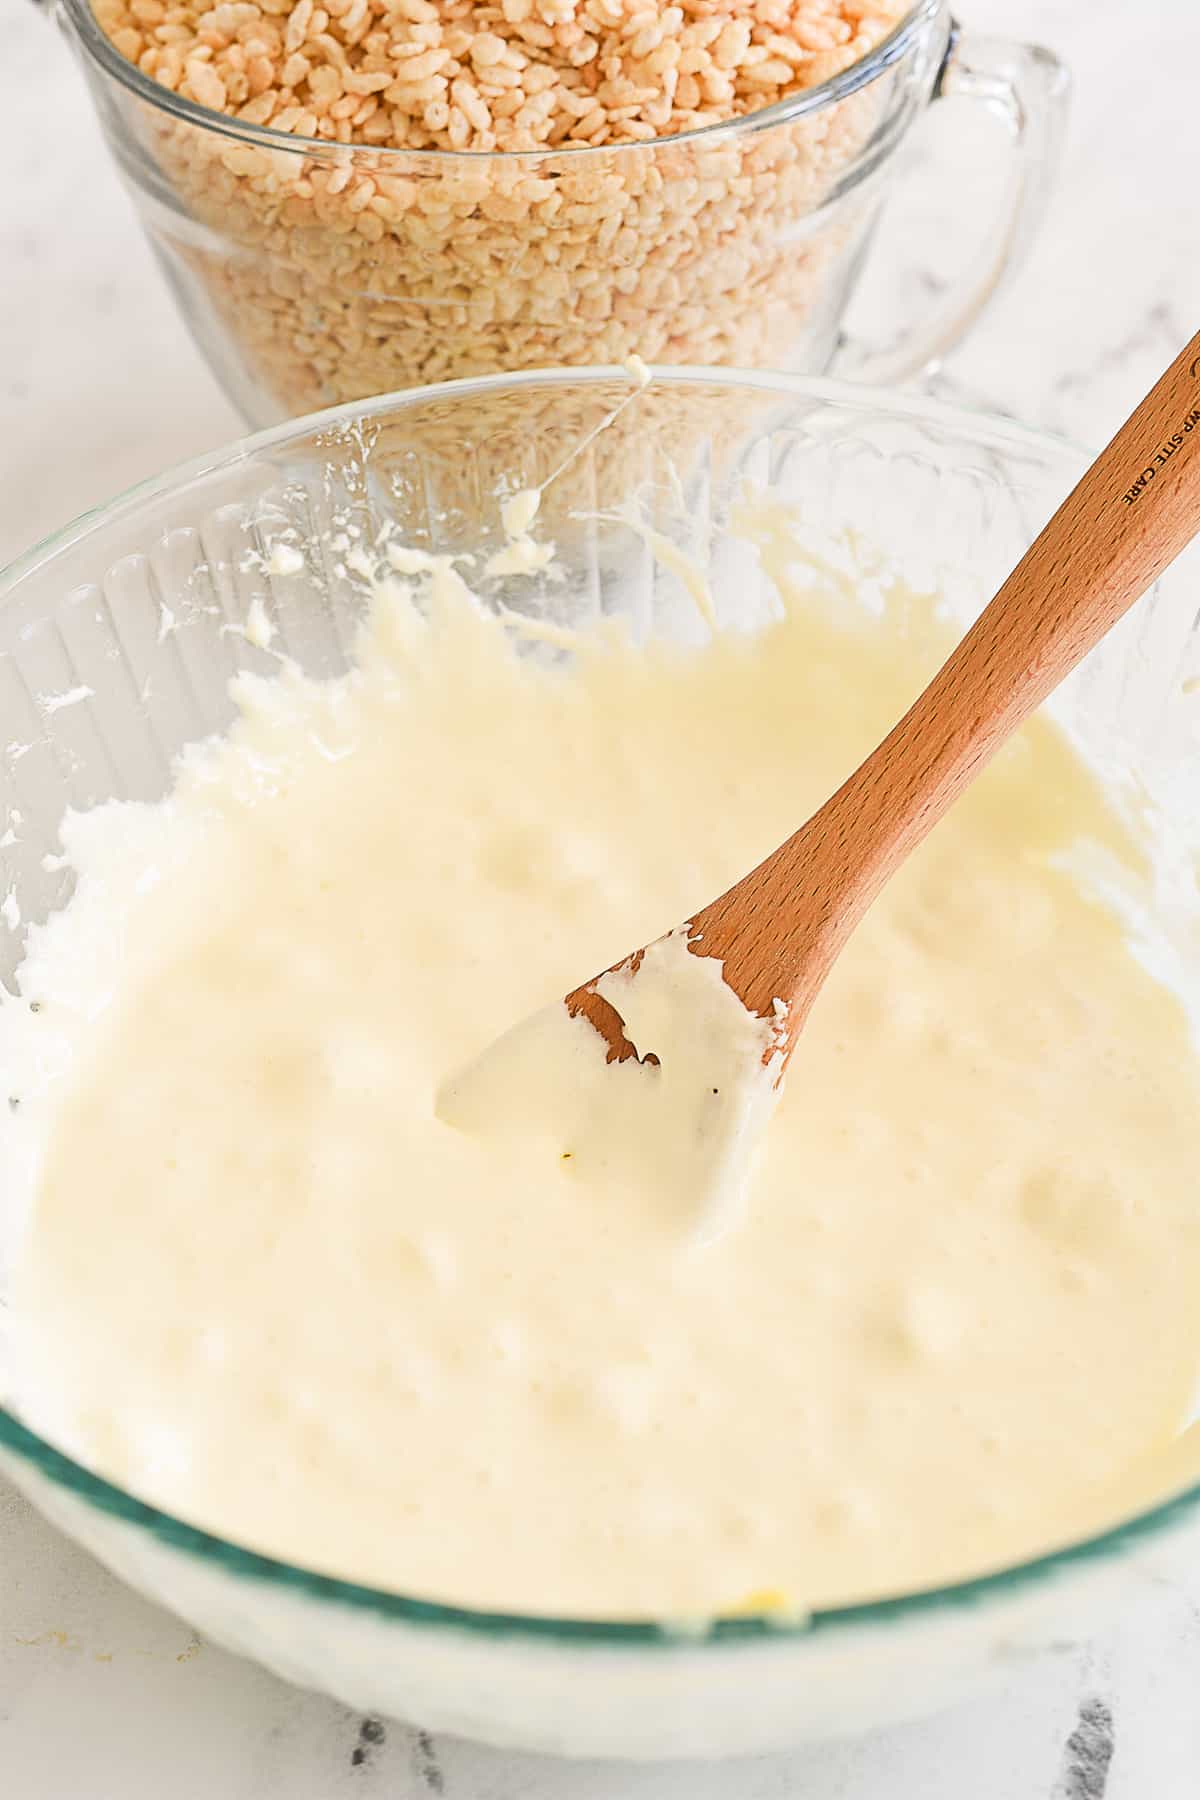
[{"x": 502, "y": 201}]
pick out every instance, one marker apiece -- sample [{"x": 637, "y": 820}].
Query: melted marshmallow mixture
[{"x": 512, "y": 1361}]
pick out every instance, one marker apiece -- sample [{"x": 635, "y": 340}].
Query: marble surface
[{"x": 101, "y": 1696}]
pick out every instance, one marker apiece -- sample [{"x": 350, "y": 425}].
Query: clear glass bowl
[
  {"x": 313, "y": 273},
  {"x": 97, "y": 697}
]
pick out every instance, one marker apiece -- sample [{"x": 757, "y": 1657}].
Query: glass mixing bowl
[
  {"x": 117, "y": 642},
  {"x": 312, "y": 273}
]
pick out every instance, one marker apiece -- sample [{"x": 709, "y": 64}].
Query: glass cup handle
[{"x": 1027, "y": 88}]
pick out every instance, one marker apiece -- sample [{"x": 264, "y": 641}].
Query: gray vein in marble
[
  {"x": 371, "y": 1734},
  {"x": 1162, "y": 331},
  {"x": 1088, "y": 1754},
  {"x": 427, "y": 1764}
]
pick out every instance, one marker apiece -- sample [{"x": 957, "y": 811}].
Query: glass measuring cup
[{"x": 311, "y": 273}]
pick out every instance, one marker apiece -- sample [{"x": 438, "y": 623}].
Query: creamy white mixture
[
  {"x": 696, "y": 1125},
  {"x": 507, "y": 1361}
]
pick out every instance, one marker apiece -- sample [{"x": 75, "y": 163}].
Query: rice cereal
[{"x": 356, "y": 262}]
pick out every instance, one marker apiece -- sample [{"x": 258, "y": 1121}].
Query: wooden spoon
[{"x": 779, "y": 929}]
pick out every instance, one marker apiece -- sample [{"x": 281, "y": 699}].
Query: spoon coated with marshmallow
[{"x": 717, "y": 1004}]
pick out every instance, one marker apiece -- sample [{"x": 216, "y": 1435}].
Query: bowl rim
[
  {"x": 100, "y": 47},
  {"x": 990, "y": 428},
  {"x": 19, "y": 1442}
]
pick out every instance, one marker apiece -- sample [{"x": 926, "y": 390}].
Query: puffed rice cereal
[{"x": 355, "y": 261}]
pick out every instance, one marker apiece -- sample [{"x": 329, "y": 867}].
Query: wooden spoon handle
[{"x": 1137, "y": 507}]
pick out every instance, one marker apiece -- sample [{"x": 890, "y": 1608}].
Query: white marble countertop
[{"x": 101, "y": 1696}]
